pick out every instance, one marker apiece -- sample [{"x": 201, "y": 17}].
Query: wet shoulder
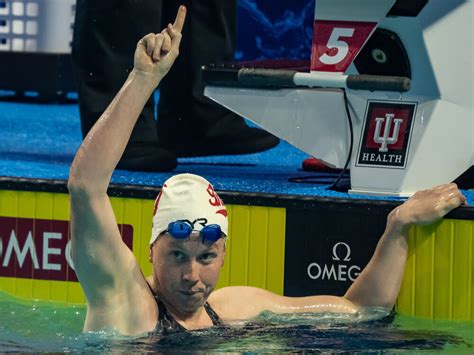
[{"x": 239, "y": 302}]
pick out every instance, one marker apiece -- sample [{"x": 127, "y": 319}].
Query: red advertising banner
[{"x": 40, "y": 249}]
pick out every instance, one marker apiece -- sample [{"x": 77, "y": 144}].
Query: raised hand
[{"x": 156, "y": 53}]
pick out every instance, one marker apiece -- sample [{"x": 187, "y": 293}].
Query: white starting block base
[
  {"x": 291, "y": 115},
  {"x": 381, "y": 193},
  {"x": 315, "y": 121}
]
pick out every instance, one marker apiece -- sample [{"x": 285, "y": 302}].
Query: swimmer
[{"x": 190, "y": 229}]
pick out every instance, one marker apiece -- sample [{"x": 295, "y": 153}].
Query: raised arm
[
  {"x": 102, "y": 261},
  {"x": 380, "y": 281},
  {"x": 377, "y": 285}
]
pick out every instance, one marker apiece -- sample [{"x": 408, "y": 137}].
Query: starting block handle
[
  {"x": 378, "y": 83},
  {"x": 267, "y": 77},
  {"x": 257, "y": 77},
  {"x": 284, "y": 78}
]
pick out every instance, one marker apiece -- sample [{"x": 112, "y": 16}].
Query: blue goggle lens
[
  {"x": 211, "y": 233},
  {"x": 182, "y": 230}
]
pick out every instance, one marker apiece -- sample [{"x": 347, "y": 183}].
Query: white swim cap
[{"x": 188, "y": 197}]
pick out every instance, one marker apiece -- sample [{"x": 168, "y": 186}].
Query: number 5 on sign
[{"x": 337, "y": 43}]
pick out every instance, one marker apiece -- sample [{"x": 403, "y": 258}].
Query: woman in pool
[{"x": 187, "y": 246}]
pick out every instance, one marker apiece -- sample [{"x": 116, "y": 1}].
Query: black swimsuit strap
[
  {"x": 216, "y": 320},
  {"x": 166, "y": 322}
]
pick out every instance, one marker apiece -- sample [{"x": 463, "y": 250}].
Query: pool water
[{"x": 53, "y": 327}]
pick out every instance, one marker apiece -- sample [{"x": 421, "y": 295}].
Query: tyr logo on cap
[{"x": 386, "y": 136}]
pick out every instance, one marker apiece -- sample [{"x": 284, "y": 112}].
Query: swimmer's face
[{"x": 186, "y": 271}]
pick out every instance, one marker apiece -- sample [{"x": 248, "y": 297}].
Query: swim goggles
[{"x": 182, "y": 229}]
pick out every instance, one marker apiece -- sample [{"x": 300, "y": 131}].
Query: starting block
[{"x": 388, "y": 93}]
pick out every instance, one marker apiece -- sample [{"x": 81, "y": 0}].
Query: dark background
[{"x": 274, "y": 29}]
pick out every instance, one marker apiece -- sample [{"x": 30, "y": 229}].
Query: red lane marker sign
[{"x": 337, "y": 43}]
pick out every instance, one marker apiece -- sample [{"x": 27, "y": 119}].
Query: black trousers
[{"x": 105, "y": 37}]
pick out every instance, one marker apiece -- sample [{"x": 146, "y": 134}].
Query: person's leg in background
[
  {"x": 105, "y": 37},
  {"x": 190, "y": 124}
]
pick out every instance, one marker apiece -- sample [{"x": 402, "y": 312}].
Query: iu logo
[{"x": 386, "y": 137}]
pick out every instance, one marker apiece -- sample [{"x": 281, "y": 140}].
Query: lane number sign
[{"x": 337, "y": 43}]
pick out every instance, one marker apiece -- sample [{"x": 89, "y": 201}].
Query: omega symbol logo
[
  {"x": 348, "y": 252},
  {"x": 385, "y": 140},
  {"x": 339, "y": 271}
]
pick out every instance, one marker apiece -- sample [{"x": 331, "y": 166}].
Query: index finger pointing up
[{"x": 179, "y": 21}]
